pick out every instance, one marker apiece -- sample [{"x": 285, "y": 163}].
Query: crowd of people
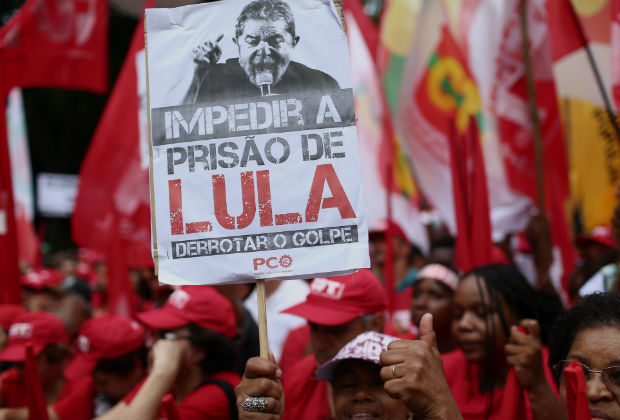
[{"x": 485, "y": 344}]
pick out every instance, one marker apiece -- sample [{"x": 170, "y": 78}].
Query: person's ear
[
  {"x": 235, "y": 41},
  {"x": 295, "y": 41}
]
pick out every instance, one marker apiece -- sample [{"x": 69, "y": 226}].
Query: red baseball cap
[
  {"x": 105, "y": 337},
  {"x": 201, "y": 305},
  {"x": 40, "y": 278},
  {"x": 601, "y": 235},
  {"x": 8, "y": 313},
  {"x": 338, "y": 300},
  {"x": 389, "y": 226},
  {"x": 39, "y": 329}
]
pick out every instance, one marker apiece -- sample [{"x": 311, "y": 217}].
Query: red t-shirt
[
  {"x": 305, "y": 397},
  {"x": 464, "y": 384},
  {"x": 205, "y": 402},
  {"x": 14, "y": 392},
  {"x": 294, "y": 348},
  {"x": 78, "y": 404}
]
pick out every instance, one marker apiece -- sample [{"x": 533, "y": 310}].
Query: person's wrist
[
  {"x": 445, "y": 411},
  {"x": 538, "y": 385}
]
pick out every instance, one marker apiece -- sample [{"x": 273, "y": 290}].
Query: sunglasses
[{"x": 610, "y": 375}]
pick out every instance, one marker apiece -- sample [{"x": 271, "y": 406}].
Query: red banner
[{"x": 53, "y": 43}]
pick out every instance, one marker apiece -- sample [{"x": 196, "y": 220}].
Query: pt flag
[{"x": 56, "y": 44}]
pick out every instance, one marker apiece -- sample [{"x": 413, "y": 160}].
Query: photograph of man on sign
[{"x": 265, "y": 38}]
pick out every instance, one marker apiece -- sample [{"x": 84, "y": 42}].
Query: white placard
[
  {"x": 56, "y": 194},
  {"x": 255, "y": 164}
]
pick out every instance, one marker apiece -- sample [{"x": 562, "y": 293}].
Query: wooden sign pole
[{"x": 262, "y": 319}]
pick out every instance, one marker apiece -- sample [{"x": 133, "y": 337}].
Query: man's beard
[{"x": 260, "y": 66}]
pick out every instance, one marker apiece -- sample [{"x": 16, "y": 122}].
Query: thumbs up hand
[{"x": 413, "y": 372}]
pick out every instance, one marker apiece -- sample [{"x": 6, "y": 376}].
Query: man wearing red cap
[
  {"x": 45, "y": 333},
  {"x": 193, "y": 358},
  {"x": 337, "y": 309},
  {"x": 41, "y": 289}
]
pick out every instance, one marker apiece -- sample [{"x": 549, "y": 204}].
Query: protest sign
[{"x": 254, "y": 159}]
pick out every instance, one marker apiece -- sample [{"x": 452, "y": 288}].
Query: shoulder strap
[{"x": 230, "y": 395}]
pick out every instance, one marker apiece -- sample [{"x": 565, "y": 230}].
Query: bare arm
[
  {"x": 22, "y": 413},
  {"x": 145, "y": 405}
]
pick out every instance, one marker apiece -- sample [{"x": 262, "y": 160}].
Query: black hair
[
  {"x": 507, "y": 283},
  {"x": 596, "y": 310},
  {"x": 266, "y": 10},
  {"x": 56, "y": 352},
  {"x": 443, "y": 242},
  {"x": 123, "y": 364},
  {"x": 221, "y": 352}
]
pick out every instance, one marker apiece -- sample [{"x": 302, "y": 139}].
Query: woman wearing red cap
[{"x": 193, "y": 359}]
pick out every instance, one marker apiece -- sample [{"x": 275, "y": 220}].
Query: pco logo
[{"x": 285, "y": 261}]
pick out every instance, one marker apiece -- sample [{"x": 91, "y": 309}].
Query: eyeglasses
[{"x": 610, "y": 375}]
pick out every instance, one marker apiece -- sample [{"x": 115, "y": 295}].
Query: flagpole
[
  {"x": 533, "y": 108},
  {"x": 543, "y": 281},
  {"x": 388, "y": 263},
  {"x": 595, "y": 71}
]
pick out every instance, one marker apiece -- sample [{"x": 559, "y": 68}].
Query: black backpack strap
[{"x": 230, "y": 395}]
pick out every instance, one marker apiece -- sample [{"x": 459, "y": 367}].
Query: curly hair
[{"x": 596, "y": 310}]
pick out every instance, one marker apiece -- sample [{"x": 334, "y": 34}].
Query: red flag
[
  {"x": 122, "y": 299},
  {"x": 576, "y": 399},
  {"x": 9, "y": 280},
  {"x": 513, "y": 401},
  {"x": 37, "y": 408},
  {"x": 114, "y": 183},
  {"x": 516, "y": 132},
  {"x": 566, "y": 34},
  {"x": 474, "y": 246},
  {"x": 57, "y": 44}
]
